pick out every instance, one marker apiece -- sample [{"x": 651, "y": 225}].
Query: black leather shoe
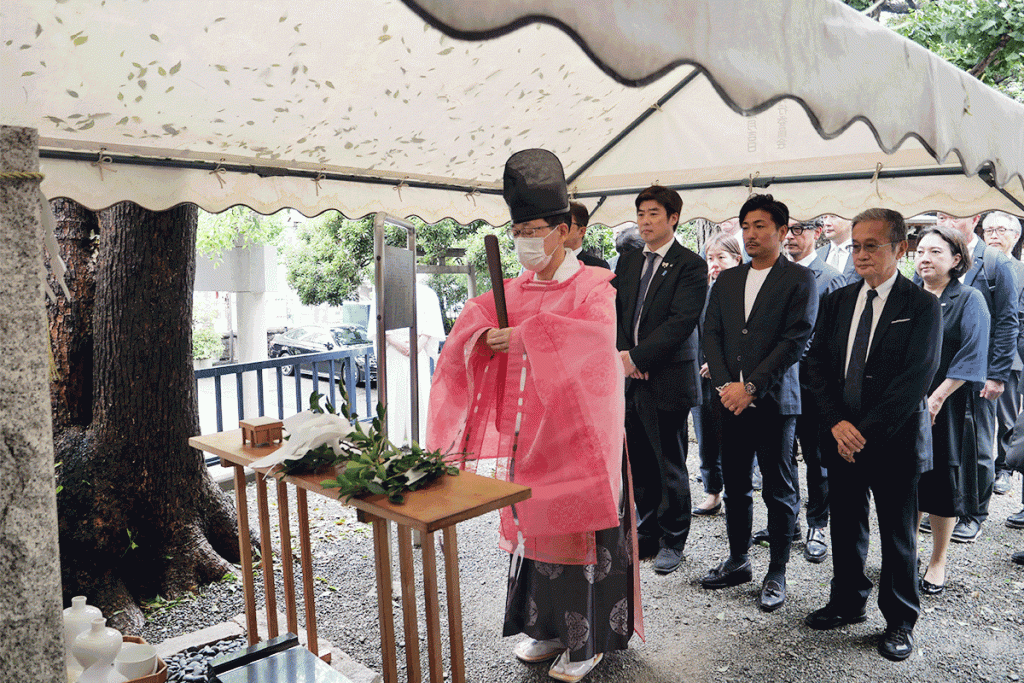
[
  {"x": 720, "y": 577},
  {"x": 817, "y": 545},
  {"x": 773, "y": 596},
  {"x": 830, "y": 617},
  {"x": 668, "y": 560},
  {"x": 1003, "y": 482},
  {"x": 896, "y": 644},
  {"x": 966, "y": 530},
  {"x": 929, "y": 588},
  {"x": 759, "y": 537},
  {"x": 1016, "y": 520},
  {"x": 707, "y": 512},
  {"x": 1018, "y": 557}
]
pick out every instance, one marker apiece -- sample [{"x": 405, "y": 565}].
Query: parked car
[{"x": 319, "y": 339}]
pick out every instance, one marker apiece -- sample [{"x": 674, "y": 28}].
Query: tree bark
[
  {"x": 139, "y": 514},
  {"x": 77, "y": 231}
]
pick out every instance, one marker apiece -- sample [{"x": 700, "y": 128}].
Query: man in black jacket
[
  {"x": 875, "y": 350},
  {"x": 574, "y": 242},
  {"x": 660, "y": 294},
  {"x": 759, "y": 318}
]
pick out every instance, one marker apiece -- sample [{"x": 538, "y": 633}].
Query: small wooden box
[
  {"x": 261, "y": 431},
  {"x": 160, "y": 676}
]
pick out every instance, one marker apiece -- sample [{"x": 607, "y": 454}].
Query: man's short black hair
[
  {"x": 669, "y": 199},
  {"x": 555, "y": 221},
  {"x": 629, "y": 240},
  {"x": 778, "y": 211},
  {"x": 580, "y": 213}
]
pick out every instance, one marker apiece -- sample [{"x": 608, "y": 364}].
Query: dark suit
[
  {"x": 656, "y": 408},
  {"x": 591, "y": 260},
  {"x": 993, "y": 276},
  {"x": 1008, "y": 404},
  {"x": 827, "y": 280},
  {"x": 765, "y": 348},
  {"x": 848, "y": 271},
  {"x": 901, "y": 362}
]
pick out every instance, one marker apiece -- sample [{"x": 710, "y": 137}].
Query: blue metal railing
[{"x": 331, "y": 363}]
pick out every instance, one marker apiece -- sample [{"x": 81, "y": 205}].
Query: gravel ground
[{"x": 973, "y": 632}]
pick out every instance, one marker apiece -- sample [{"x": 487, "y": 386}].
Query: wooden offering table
[{"x": 437, "y": 507}]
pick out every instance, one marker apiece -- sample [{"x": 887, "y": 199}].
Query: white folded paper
[{"x": 308, "y": 430}]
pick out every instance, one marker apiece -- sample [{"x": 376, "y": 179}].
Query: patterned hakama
[{"x": 590, "y": 608}]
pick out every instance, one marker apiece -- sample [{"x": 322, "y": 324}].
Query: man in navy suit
[
  {"x": 799, "y": 246},
  {"x": 875, "y": 350},
  {"x": 660, "y": 292},
  {"x": 578, "y": 229},
  {"x": 759, "y": 318},
  {"x": 991, "y": 274},
  {"x": 836, "y": 253}
]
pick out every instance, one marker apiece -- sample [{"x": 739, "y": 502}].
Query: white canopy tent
[{"x": 363, "y": 105}]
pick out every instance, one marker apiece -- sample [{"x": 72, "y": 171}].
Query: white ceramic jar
[
  {"x": 77, "y": 618},
  {"x": 95, "y": 650}
]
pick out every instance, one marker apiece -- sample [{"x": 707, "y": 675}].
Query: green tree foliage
[
  {"x": 332, "y": 255},
  {"x": 983, "y": 37},
  {"x": 237, "y": 226}
]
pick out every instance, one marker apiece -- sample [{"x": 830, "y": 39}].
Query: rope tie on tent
[
  {"x": 103, "y": 161},
  {"x": 750, "y": 182},
  {"x": 472, "y": 195},
  {"x": 316, "y": 181},
  {"x": 16, "y": 176},
  {"x": 219, "y": 173},
  {"x": 656, "y": 107},
  {"x": 572, "y": 192},
  {"x": 398, "y": 188},
  {"x": 874, "y": 178}
]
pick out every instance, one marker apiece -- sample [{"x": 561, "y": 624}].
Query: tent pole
[{"x": 632, "y": 126}]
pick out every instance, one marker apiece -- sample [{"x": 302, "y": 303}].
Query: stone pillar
[
  {"x": 252, "y": 345},
  {"x": 32, "y": 647}
]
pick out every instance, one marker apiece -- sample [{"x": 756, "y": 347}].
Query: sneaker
[
  {"x": 896, "y": 644},
  {"x": 531, "y": 650},
  {"x": 1003, "y": 482},
  {"x": 966, "y": 530},
  {"x": 564, "y": 670}
]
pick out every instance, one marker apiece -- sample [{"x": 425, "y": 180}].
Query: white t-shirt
[{"x": 755, "y": 279}]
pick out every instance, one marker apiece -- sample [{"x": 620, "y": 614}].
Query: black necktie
[
  {"x": 645, "y": 282},
  {"x": 858, "y": 356}
]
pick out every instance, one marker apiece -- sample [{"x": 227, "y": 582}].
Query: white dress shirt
[
  {"x": 837, "y": 254},
  {"x": 658, "y": 258},
  {"x": 877, "y": 305}
]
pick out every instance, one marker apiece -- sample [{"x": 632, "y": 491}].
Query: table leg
[
  {"x": 432, "y": 610},
  {"x": 267, "y": 555},
  {"x": 287, "y": 570},
  {"x": 412, "y": 641},
  {"x": 245, "y": 553},
  {"x": 382, "y": 560},
  {"x": 306, "y": 557},
  {"x": 450, "y": 548}
]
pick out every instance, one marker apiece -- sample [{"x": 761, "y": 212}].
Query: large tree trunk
[
  {"x": 77, "y": 231},
  {"x": 139, "y": 514}
]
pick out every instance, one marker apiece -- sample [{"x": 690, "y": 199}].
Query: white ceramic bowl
[{"x": 135, "y": 660}]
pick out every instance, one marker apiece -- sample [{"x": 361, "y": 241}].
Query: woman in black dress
[{"x": 942, "y": 257}]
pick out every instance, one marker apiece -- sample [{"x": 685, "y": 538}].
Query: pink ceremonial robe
[{"x": 550, "y": 411}]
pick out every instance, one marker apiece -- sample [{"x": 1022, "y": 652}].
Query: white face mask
[{"x": 530, "y": 252}]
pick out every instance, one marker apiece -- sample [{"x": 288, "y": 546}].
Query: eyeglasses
[
  {"x": 869, "y": 248},
  {"x": 525, "y": 232},
  {"x": 797, "y": 230},
  {"x": 1001, "y": 230}
]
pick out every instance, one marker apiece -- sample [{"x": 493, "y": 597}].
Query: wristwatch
[{"x": 750, "y": 389}]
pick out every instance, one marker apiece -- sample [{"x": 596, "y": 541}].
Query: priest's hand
[
  {"x": 992, "y": 390},
  {"x": 849, "y": 440},
  {"x": 498, "y": 339},
  {"x": 735, "y": 398}
]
